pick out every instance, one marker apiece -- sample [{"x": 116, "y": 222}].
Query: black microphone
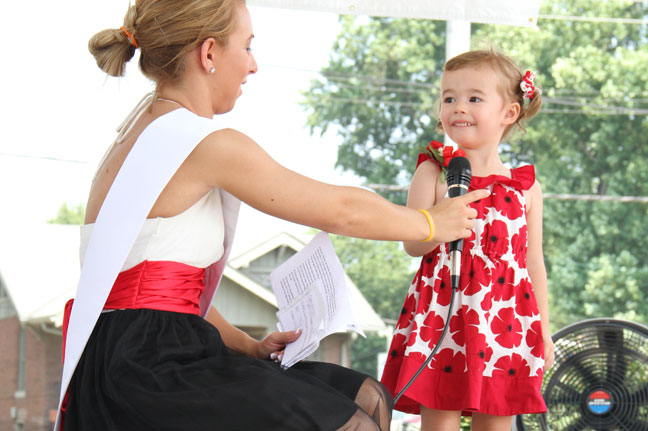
[{"x": 458, "y": 177}]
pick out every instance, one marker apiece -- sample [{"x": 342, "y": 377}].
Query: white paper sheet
[{"x": 311, "y": 290}]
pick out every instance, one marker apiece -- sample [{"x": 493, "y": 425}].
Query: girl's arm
[
  {"x": 422, "y": 194},
  {"x": 232, "y": 161},
  {"x": 536, "y": 267}
]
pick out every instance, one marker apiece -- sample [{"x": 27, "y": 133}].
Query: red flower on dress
[
  {"x": 512, "y": 366},
  {"x": 397, "y": 347},
  {"x": 426, "y": 292},
  {"x": 436, "y": 145},
  {"x": 431, "y": 329},
  {"x": 482, "y": 206},
  {"x": 487, "y": 302},
  {"x": 443, "y": 154},
  {"x": 475, "y": 275},
  {"x": 449, "y": 362},
  {"x": 495, "y": 239},
  {"x": 507, "y": 202},
  {"x": 534, "y": 339},
  {"x": 507, "y": 327},
  {"x": 467, "y": 243},
  {"x": 412, "y": 335},
  {"x": 479, "y": 353},
  {"x": 428, "y": 263},
  {"x": 442, "y": 287},
  {"x": 407, "y": 312},
  {"x": 464, "y": 325},
  {"x": 503, "y": 279},
  {"x": 519, "y": 246},
  {"x": 525, "y": 304},
  {"x": 447, "y": 155}
]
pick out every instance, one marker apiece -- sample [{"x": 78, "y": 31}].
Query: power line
[
  {"x": 602, "y": 20},
  {"x": 432, "y": 89},
  {"x": 56, "y": 159},
  {"x": 598, "y": 110},
  {"x": 599, "y": 198},
  {"x": 617, "y": 109}
]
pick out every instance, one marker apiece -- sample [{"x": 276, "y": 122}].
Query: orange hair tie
[{"x": 130, "y": 36}]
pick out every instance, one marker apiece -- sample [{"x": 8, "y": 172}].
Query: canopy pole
[{"x": 457, "y": 42}]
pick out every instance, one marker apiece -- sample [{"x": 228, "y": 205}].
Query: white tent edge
[{"x": 507, "y": 12}]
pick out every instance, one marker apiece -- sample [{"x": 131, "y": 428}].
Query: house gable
[{"x": 7, "y": 308}]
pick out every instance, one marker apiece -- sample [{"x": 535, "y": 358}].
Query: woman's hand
[
  {"x": 549, "y": 354},
  {"x": 454, "y": 218},
  {"x": 274, "y": 344}
]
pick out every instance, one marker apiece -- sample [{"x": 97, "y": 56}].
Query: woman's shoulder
[{"x": 224, "y": 142}]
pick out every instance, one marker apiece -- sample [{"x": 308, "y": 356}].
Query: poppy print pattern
[{"x": 494, "y": 339}]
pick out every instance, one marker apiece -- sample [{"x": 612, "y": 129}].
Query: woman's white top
[
  {"x": 193, "y": 237},
  {"x": 122, "y": 235}
]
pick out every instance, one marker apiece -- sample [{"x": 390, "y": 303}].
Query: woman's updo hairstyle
[
  {"x": 510, "y": 78},
  {"x": 164, "y": 31}
]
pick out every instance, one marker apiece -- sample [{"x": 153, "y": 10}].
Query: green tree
[
  {"x": 379, "y": 82},
  {"x": 379, "y": 89},
  {"x": 69, "y": 214}
]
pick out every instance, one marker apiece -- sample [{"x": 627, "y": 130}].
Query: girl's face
[{"x": 473, "y": 112}]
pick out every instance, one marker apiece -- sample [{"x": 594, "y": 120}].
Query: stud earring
[{"x": 212, "y": 70}]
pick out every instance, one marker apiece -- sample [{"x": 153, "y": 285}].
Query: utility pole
[{"x": 457, "y": 42}]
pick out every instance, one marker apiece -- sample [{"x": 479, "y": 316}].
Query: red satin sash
[{"x": 156, "y": 285}]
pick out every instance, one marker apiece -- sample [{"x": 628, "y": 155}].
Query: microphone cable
[
  {"x": 455, "y": 287},
  {"x": 459, "y": 175}
]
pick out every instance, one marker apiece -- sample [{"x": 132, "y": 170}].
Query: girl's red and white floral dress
[{"x": 491, "y": 359}]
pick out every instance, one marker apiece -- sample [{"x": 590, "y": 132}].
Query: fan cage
[{"x": 599, "y": 381}]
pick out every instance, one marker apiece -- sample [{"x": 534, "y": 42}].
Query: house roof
[
  {"x": 368, "y": 319},
  {"x": 39, "y": 268},
  {"x": 507, "y": 12}
]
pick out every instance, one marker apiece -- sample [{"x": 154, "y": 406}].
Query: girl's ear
[{"x": 512, "y": 113}]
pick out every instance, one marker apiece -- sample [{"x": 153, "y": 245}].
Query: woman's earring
[{"x": 212, "y": 70}]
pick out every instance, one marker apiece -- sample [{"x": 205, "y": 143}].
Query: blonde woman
[{"x": 144, "y": 348}]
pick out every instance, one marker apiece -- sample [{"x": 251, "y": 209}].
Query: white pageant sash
[{"x": 157, "y": 154}]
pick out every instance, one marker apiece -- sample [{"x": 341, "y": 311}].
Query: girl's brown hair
[
  {"x": 510, "y": 79},
  {"x": 165, "y": 31}
]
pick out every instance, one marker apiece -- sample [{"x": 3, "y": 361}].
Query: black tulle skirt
[{"x": 157, "y": 370}]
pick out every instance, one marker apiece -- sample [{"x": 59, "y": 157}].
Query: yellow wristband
[{"x": 431, "y": 223}]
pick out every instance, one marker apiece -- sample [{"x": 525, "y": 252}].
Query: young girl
[{"x": 491, "y": 361}]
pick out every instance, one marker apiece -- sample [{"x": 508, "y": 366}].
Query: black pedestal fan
[{"x": 599, "y": 381}]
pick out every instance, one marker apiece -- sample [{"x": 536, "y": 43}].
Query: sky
[{"x": 62, "y": 110}]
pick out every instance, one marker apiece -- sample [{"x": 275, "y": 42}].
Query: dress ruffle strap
[{"x": 522, "y": 178}]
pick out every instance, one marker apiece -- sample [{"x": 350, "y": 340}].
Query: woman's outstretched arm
[{"x": 232, "y": 161}]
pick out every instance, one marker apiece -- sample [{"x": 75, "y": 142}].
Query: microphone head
[{"x": 459, "y": 171}]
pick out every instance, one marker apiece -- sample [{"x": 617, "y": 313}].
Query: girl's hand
[
  {"x": 273, "y": 345},
  {"x": 549, "y": 355}
]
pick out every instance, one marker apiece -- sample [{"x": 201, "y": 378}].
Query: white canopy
[{"x": 510, "y": 12}]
